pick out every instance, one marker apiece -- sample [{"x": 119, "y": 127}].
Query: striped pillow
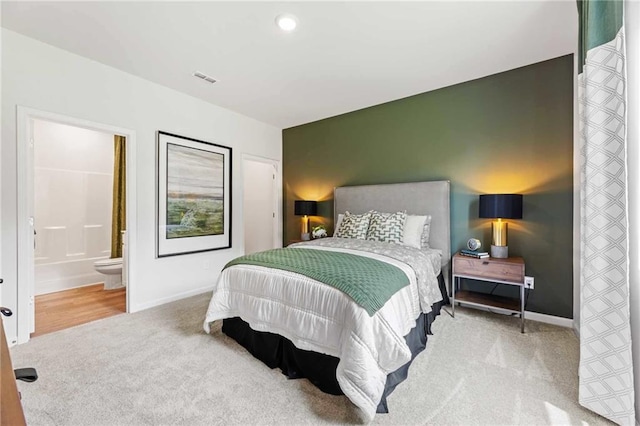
[{"x": 387, "y": 227}]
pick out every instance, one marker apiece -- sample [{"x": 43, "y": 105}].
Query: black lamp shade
[
  {"x": 309, "y": 208},
  {"x": 503, "y": 206}
]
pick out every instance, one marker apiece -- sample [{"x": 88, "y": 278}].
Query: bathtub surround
[
  {"x": 119, "y": 209},
  {"x": 73, "y": 178}
]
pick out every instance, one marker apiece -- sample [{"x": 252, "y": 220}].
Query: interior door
[
  {"x": 31, "y": 233},
  {"x": 259, "y": 205}
]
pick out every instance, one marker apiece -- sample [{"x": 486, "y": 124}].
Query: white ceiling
[{"x": 342, "y": 57}]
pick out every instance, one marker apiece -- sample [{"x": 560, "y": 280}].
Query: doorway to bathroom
[
  {"x": 24, "y": 314},
  {"x": 79, "y": 223},
  {"x": 26, "y": 194}
]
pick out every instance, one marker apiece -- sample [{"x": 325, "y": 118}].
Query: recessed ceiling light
[{"x": 287, "y": 22}]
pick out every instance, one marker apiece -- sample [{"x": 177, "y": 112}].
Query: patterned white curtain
[{"x": 606, "y": 369}]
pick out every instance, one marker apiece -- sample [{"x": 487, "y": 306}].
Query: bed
[{"x": 345, "y": 340}]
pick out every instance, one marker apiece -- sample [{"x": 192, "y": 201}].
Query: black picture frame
[{"x": 193, "y": 195}]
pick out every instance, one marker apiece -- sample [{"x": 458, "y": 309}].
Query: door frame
[
  {"x": 25, "y": 209},
  {"x": 277, "y": 207}
]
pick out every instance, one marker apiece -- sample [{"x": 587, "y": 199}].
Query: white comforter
[{"x": 320, "y": 318}]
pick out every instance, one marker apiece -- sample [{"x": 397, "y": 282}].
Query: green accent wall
[{"x": 506, "y": 133}]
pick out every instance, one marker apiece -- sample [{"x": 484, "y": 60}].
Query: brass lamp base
[
  {"x": 499, "y": 232},
  {"x": 304, "y": 235},
  {"x": 499, "y": 247}
]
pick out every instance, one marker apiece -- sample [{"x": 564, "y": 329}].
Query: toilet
[{"x": 112, "y": 270}]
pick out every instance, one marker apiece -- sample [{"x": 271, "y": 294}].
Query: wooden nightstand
[{"x": 508, "y": 271}]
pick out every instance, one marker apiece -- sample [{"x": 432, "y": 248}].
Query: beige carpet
[{"x": 158, "y": 367}]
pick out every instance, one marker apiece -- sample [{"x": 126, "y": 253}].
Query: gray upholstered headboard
[{"x": 416, "y": 198}]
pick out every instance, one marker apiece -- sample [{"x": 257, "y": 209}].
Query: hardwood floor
[{"x": 64, "y": 309}]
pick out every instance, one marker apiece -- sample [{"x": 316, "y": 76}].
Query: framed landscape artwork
[{"x": 194, "y": 196}]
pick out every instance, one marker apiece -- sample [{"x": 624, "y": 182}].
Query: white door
[{"x": 259, "y": 205}]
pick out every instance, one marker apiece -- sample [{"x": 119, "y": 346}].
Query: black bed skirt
[{"x": 320, "y": 369}]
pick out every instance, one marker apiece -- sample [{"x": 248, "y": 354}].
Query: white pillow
[
  {"x": 413, "y": 229},
  {"x": 426, "y": 232},
  {"x": 338, "y": 222}
]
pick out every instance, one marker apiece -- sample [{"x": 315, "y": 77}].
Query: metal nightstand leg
[
  {"x": 453, "y": 297},
  {"x": 522, "y": 309}
]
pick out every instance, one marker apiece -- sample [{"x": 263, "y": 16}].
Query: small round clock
[{"x": 474, "y": 244}]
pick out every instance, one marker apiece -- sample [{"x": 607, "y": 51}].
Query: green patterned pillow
[
  {"x": 354, "y": 226},
  {"x": 387, "y": 227}
]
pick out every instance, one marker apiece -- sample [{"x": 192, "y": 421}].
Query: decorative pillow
[
  {"x": 387, "y": 227},
  {"x": 413, "y": 230},
  {"x": 354, "y": 226},
  {"x": 424, "y": 241},
  {"x": 338, "y": 222}
]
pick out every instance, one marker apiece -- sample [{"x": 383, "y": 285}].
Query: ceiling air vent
[{"x": 204, "y": 77}]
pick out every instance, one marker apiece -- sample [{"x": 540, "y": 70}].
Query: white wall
[
  {"x": 632, "y": 28},
  {"x": 43, "y": 77},
  {"x": 73, "y": 170}
]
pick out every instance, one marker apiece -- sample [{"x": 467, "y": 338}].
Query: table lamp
[
  {"x": 500, "y": 206},
  {"x": 305, "y": 209}
]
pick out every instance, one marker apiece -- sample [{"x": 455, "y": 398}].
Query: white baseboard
[
  {"x": 549, "y": 319},
  {"x": 158, "y": 302},
  {"x": 534, "y": 316}
]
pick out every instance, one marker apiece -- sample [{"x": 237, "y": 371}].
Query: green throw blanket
[{"x": 369, "y": 282}]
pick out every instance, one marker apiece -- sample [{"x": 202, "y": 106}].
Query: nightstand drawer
[{"x": 497, "y": 269}]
